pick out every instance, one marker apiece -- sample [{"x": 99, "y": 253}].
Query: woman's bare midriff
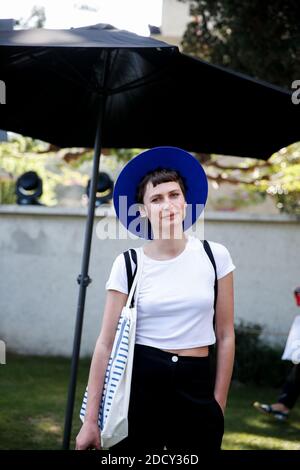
[{"x": 198, "y": 352}]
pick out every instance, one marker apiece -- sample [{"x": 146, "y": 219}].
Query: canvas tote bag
[{"x": 114, "y": 403}]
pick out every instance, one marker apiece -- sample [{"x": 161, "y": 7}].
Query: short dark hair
[{"x": 157, "y": 176}]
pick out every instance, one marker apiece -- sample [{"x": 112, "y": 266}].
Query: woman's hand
[
  {"x": 88, "y": 436},
  {"x": 221, "y": 403}
]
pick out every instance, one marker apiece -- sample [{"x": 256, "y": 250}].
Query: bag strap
[
  {"x": 212, "y": 259},
  {"x": 130, "y": 276}
]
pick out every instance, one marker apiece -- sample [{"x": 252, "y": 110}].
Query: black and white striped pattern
[{"x": 114, "y": 371}]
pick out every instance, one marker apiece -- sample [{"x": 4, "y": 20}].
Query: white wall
[
  {"x": 175, "y": 16},
  {"x": 40, "y": 258}
]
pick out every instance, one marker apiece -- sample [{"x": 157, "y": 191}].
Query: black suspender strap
[
  {"x": 212, "y": 259},
  {"x": 130, "y": 276}
]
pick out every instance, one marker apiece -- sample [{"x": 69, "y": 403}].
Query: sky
[{"x": 133, "y": 15}]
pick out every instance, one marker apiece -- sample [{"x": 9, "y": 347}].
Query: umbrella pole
[{"x": 83, "y": 279}]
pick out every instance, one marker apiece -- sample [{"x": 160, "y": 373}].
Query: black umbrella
[
  {"x": 57, "y": 81},
  {"x": 102, "y": 87}
]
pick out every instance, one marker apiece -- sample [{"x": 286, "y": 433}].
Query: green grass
[
  {"x": 247, "y": 429},
  {"x": 33, "y": 393},
  {"x": 33, "y": 401}
]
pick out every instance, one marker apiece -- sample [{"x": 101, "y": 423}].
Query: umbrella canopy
[{"x": 155, "y": 95}]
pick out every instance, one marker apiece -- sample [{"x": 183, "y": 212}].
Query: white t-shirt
[{"x": 175, "y": 303}]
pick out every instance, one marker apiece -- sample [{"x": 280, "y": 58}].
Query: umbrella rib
[
  {"x": 138, "y": 82},
  {"x": 35, "y": 56},
  {"x": 142, "y": 81},
  {"x": 133, "y": 85},
  {"x": 152, "y": 77},
  {"x": 82, "y": 80}
]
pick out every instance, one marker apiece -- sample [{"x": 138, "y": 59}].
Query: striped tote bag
[{"x": 114, "y": 403}]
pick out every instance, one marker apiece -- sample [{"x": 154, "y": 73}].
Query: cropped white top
[{"x": 175, "y": 303}]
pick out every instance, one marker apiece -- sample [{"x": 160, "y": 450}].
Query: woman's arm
[
  {"x": 89, "y": 435},
  {"x": 225, "y": 338}
]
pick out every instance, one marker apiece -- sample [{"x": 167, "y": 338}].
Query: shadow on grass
[
  {"x": 246, "y": 428},
  {"x": 34, "y": 395},
  {"x": 33, "y": 401}
]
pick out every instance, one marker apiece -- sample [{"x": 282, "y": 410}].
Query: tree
[
  {"x": 279, "y": 177},
  {"x": 254, "y": 179},
  {"x": 258, "y": 37},
  {"x": 36, "y": 19},
  {"x": 53, "y": 165}
]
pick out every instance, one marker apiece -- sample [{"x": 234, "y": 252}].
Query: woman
[
  {"x": 290, "y": 390},
  {"x": 174, "y": 402}
]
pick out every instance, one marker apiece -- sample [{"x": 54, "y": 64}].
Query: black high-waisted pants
[
  {"x": 172, "y": 404},
  {"x": 291, "y": 389}
]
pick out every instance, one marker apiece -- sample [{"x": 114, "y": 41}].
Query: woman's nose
[{"x": 166, "y": 204}]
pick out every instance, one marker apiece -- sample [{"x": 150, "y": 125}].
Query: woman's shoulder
[
  {"x": 217, "y": 248},
  {"x": 121, "y": 258},
  {"x": 220, "y": 252},
  {"x": 222, "y": 258}
]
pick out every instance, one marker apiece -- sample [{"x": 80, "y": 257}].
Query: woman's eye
[{"x": 156, "y": 199}]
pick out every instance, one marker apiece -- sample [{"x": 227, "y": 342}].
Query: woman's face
[{"x": 164, "y": 205}]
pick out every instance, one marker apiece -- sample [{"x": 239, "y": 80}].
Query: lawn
[{"x": 33, "y": 399}]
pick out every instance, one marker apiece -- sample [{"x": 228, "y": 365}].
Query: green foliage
[
  {"x": 278, "y": 177},
  {"x": 7, "y": 186},
  {"x": 24, "y": 154},
  {"x": 242, "y": 197},
  {"x": 56, "y": 167},
  {"x": 256, "y": 361},
  {"x": 76, "y": 157},
  {"x": 124, "y": 155},
  {"x": 259, "y": 38},
  {"x": 283, "y": 179}
]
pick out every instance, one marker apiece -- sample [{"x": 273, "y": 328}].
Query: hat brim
[{"x": 124, "y": 196}]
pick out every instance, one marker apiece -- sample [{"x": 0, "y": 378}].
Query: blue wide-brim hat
[{"x": 172, "y": 158}]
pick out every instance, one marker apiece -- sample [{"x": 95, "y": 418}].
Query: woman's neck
[{"x": 168, "y": 247}]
